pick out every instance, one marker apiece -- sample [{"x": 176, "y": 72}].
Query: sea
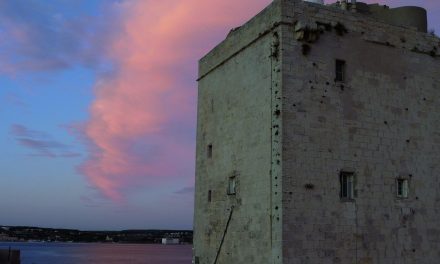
[{"x": 77, "y": 253}]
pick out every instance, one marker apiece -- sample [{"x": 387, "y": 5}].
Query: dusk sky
[{"x": 98, "y": 107}]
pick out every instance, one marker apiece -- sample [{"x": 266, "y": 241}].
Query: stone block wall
[
  {"x": 381, "y": 123},
  {"x": 234, "y": 121}
]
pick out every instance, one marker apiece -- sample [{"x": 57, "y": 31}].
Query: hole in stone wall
[
  {"x": 305, "y": 49},
  {"x": 340, "y": 29},
  {"x": 309, "y": 186},
  {"x": 209, "y": 151}
]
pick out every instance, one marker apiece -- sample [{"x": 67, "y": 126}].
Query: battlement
[{"x": 410, "y": 16}]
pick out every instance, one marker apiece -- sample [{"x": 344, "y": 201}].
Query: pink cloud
[{"x": 142, "y": 125}]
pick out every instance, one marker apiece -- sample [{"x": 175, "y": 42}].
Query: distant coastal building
[
  {"x": 318, "y": 138},
  {"x": 170, "y": 241}
]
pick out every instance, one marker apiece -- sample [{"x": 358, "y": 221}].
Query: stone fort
[{"x": 318, "y": 138}]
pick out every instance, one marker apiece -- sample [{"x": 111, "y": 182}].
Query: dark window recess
[
  {"x": 210, "y": 151},
  {"x": 340, "y": 71},
  {"x": 402, "y": 188},
  {"x": 196, "y": 260},
  {"x": 347, "y": 185},
  {"x": 209, "y": 196}
]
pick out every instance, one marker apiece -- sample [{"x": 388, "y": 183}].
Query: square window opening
[
  {"x": 232, "y": 186},
  {"x": 340, "y": 70},
  {"x": 347, "y": 185},
  {"x": 402, "y": 188}
]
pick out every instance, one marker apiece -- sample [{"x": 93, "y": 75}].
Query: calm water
[{"x": 69, "y": 253}]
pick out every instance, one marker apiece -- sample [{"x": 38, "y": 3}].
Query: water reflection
[{"x": 66, "y": 253}]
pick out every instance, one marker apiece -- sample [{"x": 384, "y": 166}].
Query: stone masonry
[{"x": 278, "y": 128}]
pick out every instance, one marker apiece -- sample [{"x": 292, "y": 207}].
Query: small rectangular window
[
  {"x": 402, "y": 188},
  {"x": 209, "y": 151},
  {"x": 232, "y": 185},
  {"x": 347, "y": 185},
  {"x": 209, "y": 196},
  {"x": 340, "y": 71}
]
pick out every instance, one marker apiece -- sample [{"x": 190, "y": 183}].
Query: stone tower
[{"x": 318, "y": 138}]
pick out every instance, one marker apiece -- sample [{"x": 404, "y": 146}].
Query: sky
[{"x": 98, "y": 107}]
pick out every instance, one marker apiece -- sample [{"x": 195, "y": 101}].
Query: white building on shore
[{"x": 170, "y": 241}]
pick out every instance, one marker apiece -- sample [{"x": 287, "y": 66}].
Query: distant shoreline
[
  {"x": 52, "y": 235},
  {"x": 88, "y": 243}
]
